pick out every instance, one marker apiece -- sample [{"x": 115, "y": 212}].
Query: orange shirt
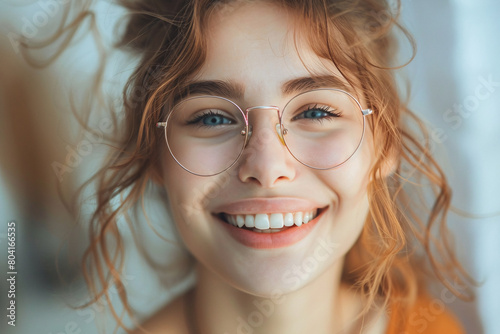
[{"x": 427, "y": 316}]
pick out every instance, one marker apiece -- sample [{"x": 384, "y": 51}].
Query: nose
[{"x": 266, "y": 160}]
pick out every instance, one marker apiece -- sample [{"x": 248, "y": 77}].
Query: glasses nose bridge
[
  {"x": 277, "y": 109},
  {"x": 278, "y": 126}
]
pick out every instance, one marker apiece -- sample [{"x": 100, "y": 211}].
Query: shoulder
[
  {"x": 169, "y": 319},
  {"x": 426, "y": 316}
]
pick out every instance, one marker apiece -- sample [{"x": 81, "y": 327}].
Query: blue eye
[
  {"x": 215, "y": 120},
  {"x": 211, "y": 118},
  {"x": 315, "y": 113},
  {"x": 318, "y": 113}
]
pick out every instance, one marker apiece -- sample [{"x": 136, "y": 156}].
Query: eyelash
[
  {"x": 331, "y": 113},
  {"x": 197, "y": 120}
]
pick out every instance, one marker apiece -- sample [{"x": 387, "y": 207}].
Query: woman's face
[{"x": 252, "y": 48}]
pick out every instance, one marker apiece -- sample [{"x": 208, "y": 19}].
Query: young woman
[{"x": 277, "y": 133}]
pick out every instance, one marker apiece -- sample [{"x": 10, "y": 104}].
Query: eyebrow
[
  {"x": 302, "y": 84},
  {"x": 229, "y": 89},
  {"x": 234, "y": 90}
]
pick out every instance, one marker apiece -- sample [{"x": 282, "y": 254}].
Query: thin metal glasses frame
[{"x": 280, "y": 128}]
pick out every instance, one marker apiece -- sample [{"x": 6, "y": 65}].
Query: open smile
[
  {"x": 270, "y": 230},
  {"x": 269, "y": 223}
]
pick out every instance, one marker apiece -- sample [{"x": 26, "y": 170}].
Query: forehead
[{"x": 259, "y": 46}]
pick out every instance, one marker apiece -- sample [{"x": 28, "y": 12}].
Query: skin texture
[{"x": 253, "y": 45}]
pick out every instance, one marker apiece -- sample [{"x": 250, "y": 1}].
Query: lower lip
[{"x": 271, "y": 240}]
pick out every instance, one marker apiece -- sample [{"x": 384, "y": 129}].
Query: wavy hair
[{"x": 168, "y": 38}]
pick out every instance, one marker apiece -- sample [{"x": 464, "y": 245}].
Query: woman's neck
[{"x": 323, "y": 306}]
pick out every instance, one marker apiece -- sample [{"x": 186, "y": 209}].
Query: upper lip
[{"x": 250, "y": 206}]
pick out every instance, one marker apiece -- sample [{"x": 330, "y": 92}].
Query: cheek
[
  {"x": 350, "y": 208},
  {"x": 350, "y": 181},
  {"x": 189, "y": 199},
  {"x": 188, "y": 195},
  {"x": 186, "y": 189}
]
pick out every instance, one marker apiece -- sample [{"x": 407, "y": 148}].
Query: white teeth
[
  {"x": 270, "y": 223},
  {"x": 240, "y": 221},
  {"x": 298, "y": 219},
  {"x": 307, "y": 217},
  {"x": 262, "y": 221},
  {"x": 276, "y": 220},
  {"x": 249, "y": 221},
  {"x": 288, "y": 219}
]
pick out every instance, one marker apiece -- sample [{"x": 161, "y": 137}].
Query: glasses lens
[
  {"x": 323, "y": 127},
  {"x": 204, "y": 134}
]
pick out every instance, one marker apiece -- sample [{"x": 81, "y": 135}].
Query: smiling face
[{"x": 252, "y": 51}]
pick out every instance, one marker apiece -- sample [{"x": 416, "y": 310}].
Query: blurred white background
[{"x": 455, "y": 87}]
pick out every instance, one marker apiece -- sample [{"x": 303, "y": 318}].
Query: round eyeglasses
[{"x": 321, "y": 128}]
